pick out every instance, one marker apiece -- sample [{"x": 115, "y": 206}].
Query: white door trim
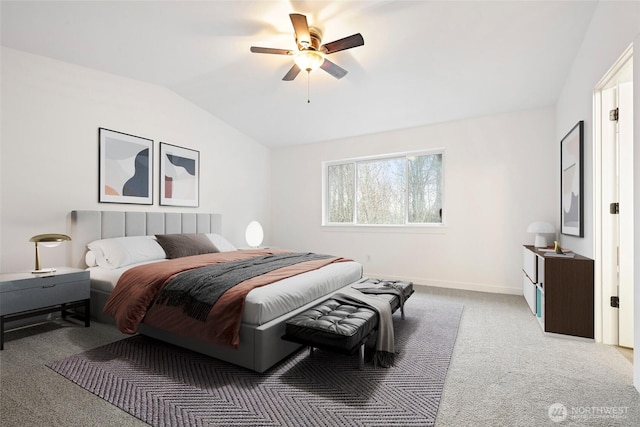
[{"x": 606, "y": 328}]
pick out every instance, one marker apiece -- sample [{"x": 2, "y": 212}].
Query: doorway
[{"x": 613, "y": 194}]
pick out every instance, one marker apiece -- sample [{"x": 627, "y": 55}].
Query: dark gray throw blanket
[{"x": 198, "y": 290}]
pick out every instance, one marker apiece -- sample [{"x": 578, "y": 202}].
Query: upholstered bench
[{"x": 345, "y": 327}]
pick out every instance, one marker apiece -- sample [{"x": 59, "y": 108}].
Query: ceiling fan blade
[
  {"x": 335, "y": 70},
  {"x": 255, "y": 49},
  {"x": 354, "y": 40},
  {"x": 301, "y": 28},
  {"x": 292, "y": 73}
]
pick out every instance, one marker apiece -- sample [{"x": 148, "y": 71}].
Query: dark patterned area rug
[{"x": 164, "y": 385}]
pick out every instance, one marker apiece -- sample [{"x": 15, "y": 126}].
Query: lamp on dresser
[
  {"x": 48, "y": 240},
  {"x": 540, "y": 228}
]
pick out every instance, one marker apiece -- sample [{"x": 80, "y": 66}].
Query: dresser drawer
[
  {"x": 47, "y": 293},
  {"x": 530, "y": 264},
  {"x": 529, "y": 292},
  {"x": 540, "y": 271}
]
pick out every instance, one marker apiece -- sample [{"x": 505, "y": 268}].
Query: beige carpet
[{"x": 504, "y": 372}]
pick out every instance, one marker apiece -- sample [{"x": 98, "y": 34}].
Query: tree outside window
[{"x": 402, "y": 189}]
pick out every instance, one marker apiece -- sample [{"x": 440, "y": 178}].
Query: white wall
[
  {"x": 615, "y": 25},
  {"x": 51, "y": 112},
  {"x": 500, "y": 175},
  {"x": 613, "y": 28}
]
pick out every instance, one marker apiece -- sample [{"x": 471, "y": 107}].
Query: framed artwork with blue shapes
[
  {"x": 125, "y": 168},
  {"x": 179, "y": 176}
]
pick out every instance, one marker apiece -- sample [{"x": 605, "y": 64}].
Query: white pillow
[
  {"x": 222, "y": 244},
  {"x": 90, "y": 259},
  {"x": 121, "y": 251}
]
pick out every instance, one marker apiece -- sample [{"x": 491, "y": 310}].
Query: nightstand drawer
[
  {"x": 43, "y": 296},
  {"x": 31, "y": 293}
]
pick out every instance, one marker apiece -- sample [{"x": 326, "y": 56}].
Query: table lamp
[
  {"x": 254, "y": 234},
  {"x": 540, "y": 228},
  {"x": 48, "y": 240}
]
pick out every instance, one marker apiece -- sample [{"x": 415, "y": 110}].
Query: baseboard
[{"x": 478, "y": 287}]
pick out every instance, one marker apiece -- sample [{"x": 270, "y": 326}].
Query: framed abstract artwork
[
  {"x": 572, "y": 182},
  {"x": 179, "y": 176},
  {"x": 125, "y": 168}
]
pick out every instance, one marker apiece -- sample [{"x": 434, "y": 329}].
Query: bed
[{"x": 265, "y": 310}]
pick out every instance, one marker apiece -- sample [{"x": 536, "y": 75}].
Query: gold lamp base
[{"x": 44, "y": 271}]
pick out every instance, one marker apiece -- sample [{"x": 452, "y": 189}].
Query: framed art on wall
[
  {"x": 179, "y": 176},
  {"x": 572, "y": 182},
  {"x": 125, "y": 168}
]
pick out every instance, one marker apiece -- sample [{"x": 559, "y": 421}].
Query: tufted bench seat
[{"x": 341, "y": 327}]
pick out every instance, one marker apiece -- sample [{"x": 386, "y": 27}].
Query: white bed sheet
[
  {"x": 105, "y": 279},
  {"x": 267, "y": 302}
]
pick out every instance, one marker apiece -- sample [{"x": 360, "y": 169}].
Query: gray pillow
[{"x": 181, "y": 245}]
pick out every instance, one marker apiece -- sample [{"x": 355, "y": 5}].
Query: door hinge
[
  {"x": 613, "y": 115},
  {"x": 614, "y": 208},
  {"x": 615, "y": 302}
]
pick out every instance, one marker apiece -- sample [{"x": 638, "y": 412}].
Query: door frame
[{"x": 606, "y": 326}]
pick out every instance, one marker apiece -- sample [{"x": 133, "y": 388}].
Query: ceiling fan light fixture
[
  {"x": 311, "y": 53},
  {"x": 309, "y": 60}
]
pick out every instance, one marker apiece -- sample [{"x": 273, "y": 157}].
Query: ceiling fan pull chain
[{"x": 308, "y": 85}]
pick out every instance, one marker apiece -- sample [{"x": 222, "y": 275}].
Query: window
[{"x": 400, "y": 189}]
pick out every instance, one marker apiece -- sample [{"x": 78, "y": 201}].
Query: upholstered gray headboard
[{"x": 87, "y": 226}]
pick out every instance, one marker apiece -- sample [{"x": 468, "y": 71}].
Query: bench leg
[
  {"x": 310, "y": 350},
  {"x": 361, "y": 357}
]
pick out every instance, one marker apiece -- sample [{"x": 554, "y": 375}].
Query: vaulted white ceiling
[{"x": 423, "y": 62}]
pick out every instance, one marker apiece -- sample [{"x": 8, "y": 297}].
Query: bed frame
[
  {"x": 87, "y": 226},
  {"x": 260, "y": 348}
]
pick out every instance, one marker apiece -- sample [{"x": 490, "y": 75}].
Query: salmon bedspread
[{"x": 134, "y": 297}]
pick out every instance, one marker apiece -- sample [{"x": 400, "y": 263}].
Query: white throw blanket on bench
[{"x": 385, "y": 346}]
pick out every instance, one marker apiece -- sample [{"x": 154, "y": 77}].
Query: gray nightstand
[{"x": 24, "y": 295}]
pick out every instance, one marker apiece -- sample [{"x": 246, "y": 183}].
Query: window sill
[{"x": 409, "y": 229}]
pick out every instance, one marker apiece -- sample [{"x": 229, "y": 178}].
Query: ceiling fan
[{"x": 310, "y": 54}]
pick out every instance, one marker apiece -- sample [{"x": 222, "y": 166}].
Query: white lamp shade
[
  {"x": 50, "y": 244},
  {"x": 254, "y": 234},
  {"x": 309, "y": 60},
  {"x": 540, "y": 228}
]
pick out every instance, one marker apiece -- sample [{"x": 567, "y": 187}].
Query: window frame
[{"x": 355, "y": 226}]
